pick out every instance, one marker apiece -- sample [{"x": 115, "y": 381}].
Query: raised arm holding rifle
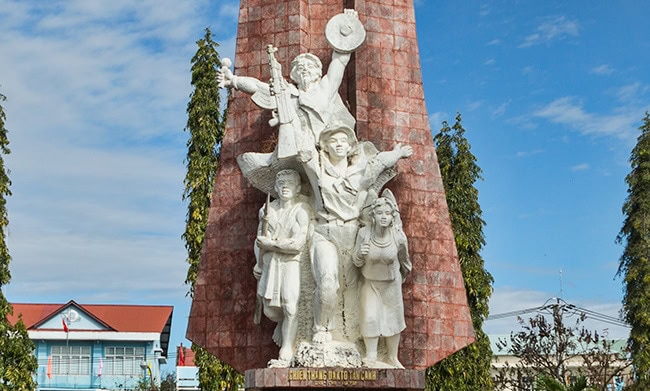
[
  {"x": 284, "y": 115},
  {"x": 304, "y": 107}
]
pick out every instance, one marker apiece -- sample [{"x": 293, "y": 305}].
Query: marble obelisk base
[{"x": 333, "y": 378}]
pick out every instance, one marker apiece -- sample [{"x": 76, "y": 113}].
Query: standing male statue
[
  {"x": 281, "y": 242},
  {"x": 344, "y": 173}
]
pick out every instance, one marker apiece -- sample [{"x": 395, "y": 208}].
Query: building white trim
[{"x": 92, "y": 335}]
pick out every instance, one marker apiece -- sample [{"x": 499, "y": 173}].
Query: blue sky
[{"x": 551, "y": 94}]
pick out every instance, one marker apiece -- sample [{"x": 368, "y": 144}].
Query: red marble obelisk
[{"x": 383, "y": 88}]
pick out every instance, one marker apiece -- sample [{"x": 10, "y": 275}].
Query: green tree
[
  {"x": 206, "y": 126},
  {"x": 214, "y": 374},
  {"x": 469, "y": 368},
  {"x": 545, "y": 383},
  {"x": 168, "y": 382},
  {"x": 549, "y": 350},
  {"x": 205, "y": 123},
  {"x": 17, "y": 360},
  {"x": 635, "y": 262}
]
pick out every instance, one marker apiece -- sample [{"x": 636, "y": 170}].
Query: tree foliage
[
  {"x": 635, "y": 262},
  {"x": 17, "y": 360},
  {"x": 205, "y": 124},
  {"x": 549, "y": 353},
  {"x": 545, "y": 383},
  {"x": 168, "y": 382},
  {"x": 214, "y": 374},
  {"x": 469, "y": 368}
]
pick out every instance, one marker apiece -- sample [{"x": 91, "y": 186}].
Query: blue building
[{"x": 96, "y": 347}]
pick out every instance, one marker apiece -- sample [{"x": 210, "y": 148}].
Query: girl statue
[{"x": 381, "y": 253}]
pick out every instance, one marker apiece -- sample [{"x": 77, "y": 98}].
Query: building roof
[
  {"x": 117, "y": 317},
  {"x": 111, "y": 317}
]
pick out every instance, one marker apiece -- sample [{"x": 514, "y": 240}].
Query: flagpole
[
  {"x": 101, "y": 367},
  {"x": 67, "y": 342}
]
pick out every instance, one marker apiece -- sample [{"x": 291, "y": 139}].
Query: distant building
[
  {"x": 524, "y": 380},
  {"x": 96, "y": 347},
  {"x": 187, "y": 373}
]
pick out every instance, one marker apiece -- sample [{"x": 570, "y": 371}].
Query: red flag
[
  {"x": 181, "y": 356},
  {"x": 49, "y": 367},
  {"x": 65, "y": 326}
]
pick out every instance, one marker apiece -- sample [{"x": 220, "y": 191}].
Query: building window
[
  {"x": 123, "y": 360},
  {"x": 70, "y": 360}
]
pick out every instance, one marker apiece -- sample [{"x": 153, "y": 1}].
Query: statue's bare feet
[
  {"x": 279, "y": 363},
  {"x": 277, "y": 334},
  {"x": 321, "y": 337},
  {"x": 369, "y": 361},
  {"x": 394, "y": 362},
  {"x": 286, "y": 354}
]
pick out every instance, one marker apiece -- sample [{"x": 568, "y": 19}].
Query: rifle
[
  {"x": 259, "y": 305},
  {"x": 265, "y": 218},
  {"x": 285, "y": 114}
]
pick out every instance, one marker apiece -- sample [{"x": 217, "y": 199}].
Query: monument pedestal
[{"x": 333, "y": 378}]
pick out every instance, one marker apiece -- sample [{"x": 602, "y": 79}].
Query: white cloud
[
  {"x": 564, "y": 110},
  {"x": 229, "y": 10},
  {"x": 64, "y": 265},
  {"x": 93, "y": 76},
  {"x": 569, "y": 111},
  {"x": 435, "y": 120},
  {"x": 525, "y": 154},
  {"x": 580, "y": 167},
  {"x": 471, "y": 106},
  {"x": 522, "y": 121},
  {"x": 97, "y": 93},
  {"x": 490, "y": 61},
  {"x": 527, "y": 70},
  {"x": 494, "y": 42},
  {"x": 510, "y": 301},
  {"x": 603, "y": 69},
  {"x": 631, "y": 92},
  {"x": 501, "y": 109},
  {"x": 485, "y": 10},
  {"x": 553, "y": 29}
]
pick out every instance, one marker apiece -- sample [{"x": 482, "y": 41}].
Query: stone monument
[{"x": 351, "y": 278}]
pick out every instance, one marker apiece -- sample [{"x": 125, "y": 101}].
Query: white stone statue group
[{"x": 326, "y": 211}]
